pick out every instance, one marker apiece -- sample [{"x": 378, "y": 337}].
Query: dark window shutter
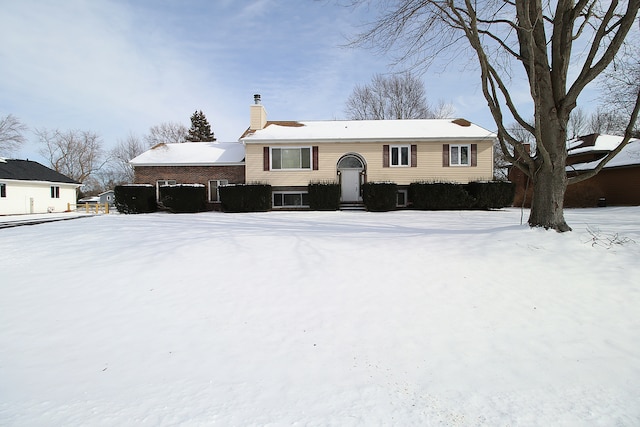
[
  {"x": 314, "y": 151},
  {"x": 414, "y": 156},
  {"x": 385, "y": 156},
  {"x": 445, "y": 155},
  {"x": 474, "y": 154},
  {"x": 265, "y": 156}
]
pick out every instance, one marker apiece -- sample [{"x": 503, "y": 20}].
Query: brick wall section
[{"x": 189, "y": 174}]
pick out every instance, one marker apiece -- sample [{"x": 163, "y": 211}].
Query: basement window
[{"x": 290, "y": 199}]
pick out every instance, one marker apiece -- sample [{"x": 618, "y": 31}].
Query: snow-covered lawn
[{"x": 321, "y": 318}]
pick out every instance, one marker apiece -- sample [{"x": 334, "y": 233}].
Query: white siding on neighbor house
[
  {"x": 429, "y": 163},
  {"x": 25, "y": 197}
]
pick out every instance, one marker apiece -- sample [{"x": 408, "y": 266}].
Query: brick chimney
[{"x": 258, "y": 115}]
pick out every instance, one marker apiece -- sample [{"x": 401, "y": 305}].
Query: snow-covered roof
[
  {"x": 630, "y": 155},
  {"x": 593, "y": 142},
  {"x": 363, "y": 130},
  {"x": 192, "y": 153}
]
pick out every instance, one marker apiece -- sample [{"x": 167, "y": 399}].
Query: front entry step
[{"x": 352, "y": 206}]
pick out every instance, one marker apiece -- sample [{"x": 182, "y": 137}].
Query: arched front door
[{"x": 351, "y": 172}]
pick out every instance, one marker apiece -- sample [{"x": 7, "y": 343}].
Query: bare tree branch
[
  {"x": 11, "y": 134},
  {"x": 74, "y": 153}
]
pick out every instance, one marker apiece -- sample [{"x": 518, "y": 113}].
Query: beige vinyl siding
[{"x": 429, "y": 159}]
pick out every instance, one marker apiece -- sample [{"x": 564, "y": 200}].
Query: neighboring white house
[{"x": 27, "y": 187}]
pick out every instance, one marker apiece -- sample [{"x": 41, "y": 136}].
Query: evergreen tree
[{"x": 200, "y": 129}]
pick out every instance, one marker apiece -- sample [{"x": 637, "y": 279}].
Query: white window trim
[
  {"x": 291, "y": 148},
  {"x": 55, "y": 192},
  {"x": 459, "y": 146},
  {"x": 399, "y": 148},
  {"x": 219, "y": 183},
  {"x": 273, "y": 199},
  {"x": 160, "y": 183}
]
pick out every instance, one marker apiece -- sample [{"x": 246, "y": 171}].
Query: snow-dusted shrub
[
  {"x": 324, "y": 196},
  {"x": 380, "y": 196},
  {"x": 184, "y": 198},
  {"x": 439, "y": 196},
  {"x": 133, "y": 199},
  {"x": 492, "y": 194},
  {"x": 245, "y": 198}
]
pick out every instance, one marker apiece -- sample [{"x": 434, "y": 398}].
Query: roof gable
[{"x": 28, "y": 170}]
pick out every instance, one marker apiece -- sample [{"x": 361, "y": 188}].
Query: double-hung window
[
  {"x": 400, "y": 155},
  {"x": 3, "y": 190},
  {"x": 55, "y": 192},
  {"x": 291, "y": 158},
  {"x": 214, "y": 189},
  {"x": 460, "y": 155}
]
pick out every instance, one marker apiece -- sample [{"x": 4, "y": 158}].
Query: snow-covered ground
[{"x": 321, "y": 318}]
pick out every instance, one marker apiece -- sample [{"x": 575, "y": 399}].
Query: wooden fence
[{"x": 89, "y": 207}]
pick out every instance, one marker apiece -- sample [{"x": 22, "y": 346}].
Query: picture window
[{"x": 291, "y": 158}]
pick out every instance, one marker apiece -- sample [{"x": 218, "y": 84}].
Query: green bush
[
  {"x": 492, "y": 194},
  {"x": 380, "y": 196},
  {"x": 324, "y": 196},
  {"x": 133, "y": 199},
  {"x": 439, "y": 196},
  {"x": 245, "y": 198},
  {"x": 184, "y": 198}
]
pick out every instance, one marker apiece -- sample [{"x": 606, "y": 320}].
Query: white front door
[{"x": 350, "y": 185}]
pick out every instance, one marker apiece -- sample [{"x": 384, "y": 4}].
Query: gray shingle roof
[{"x": 28, "y": 170}]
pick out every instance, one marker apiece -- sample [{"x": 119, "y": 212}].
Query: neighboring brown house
[
  {"x": 617, "y": 184},
  {"x": 211, "y": 164}
]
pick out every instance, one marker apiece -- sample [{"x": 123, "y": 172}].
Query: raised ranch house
[
  {"x": 289, "y": 155},
  {"x": 27, "y": 187},
  {"x": 211, "y": 164}
]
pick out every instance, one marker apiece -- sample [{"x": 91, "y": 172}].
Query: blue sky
[{"x": 119, "y": 67}]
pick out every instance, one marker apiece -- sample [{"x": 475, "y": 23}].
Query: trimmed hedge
[
  {"x": 453, "y": 196},
  {"x": 439, "y": 196},
  {"x": 134, "y": 199},
  {"x": 184, "y": 198},
  {"x": 324, "y": 196},
  {"x": 245, "y": 198},
  {"x": 492, "y": 194},
  {"x": 380, "y": 196}
]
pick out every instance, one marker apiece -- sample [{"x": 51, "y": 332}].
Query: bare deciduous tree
[
  {"x": 578, "y": 123},
  {"x": 11, "y": 134},
  {"x": 74, "y": 153},
  {"x": 119, "y": 171},
  {"x": 545, "y": 39},
  {"x": 167, "y": 133},
  {"x": 607, "y": 120},
  {"x": 398, "y": 96}
]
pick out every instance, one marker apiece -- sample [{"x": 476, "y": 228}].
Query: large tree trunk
[
  {"x": 548, "y": 199},
  {"x": 549, "y": 177}
]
